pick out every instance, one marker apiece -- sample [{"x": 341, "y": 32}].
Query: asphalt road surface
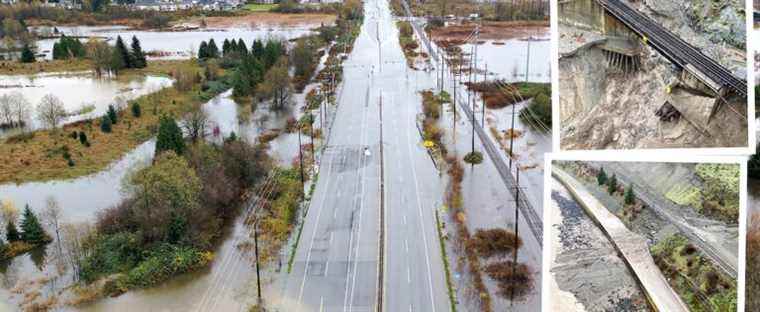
[{"x": 336, "y": 266}]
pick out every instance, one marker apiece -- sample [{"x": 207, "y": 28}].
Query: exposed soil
[
  {"x": 490, "y": 30},
  {"x": 601, "y": 108},
  {"x": 264, "y": 19}
]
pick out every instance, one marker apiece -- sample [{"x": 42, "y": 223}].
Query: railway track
[
  {"x": 649, "y": 197},
  {"x": 672, "y": 47},
  {"x": 526, "y": 209}
]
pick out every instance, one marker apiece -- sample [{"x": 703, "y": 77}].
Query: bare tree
[
  {"x": 53, "y": 214},
  {"x": 79, "y": 239},
  {"x": 276, "y": 85},
  {"x": 6, "y": 111},
  {"x": 51, "y": 111},
  {"x": 195, "y": 124},
  {"x": 22, "y": 108}
]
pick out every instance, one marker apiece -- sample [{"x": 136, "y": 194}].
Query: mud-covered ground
[
  {"x": 602, "y": 108},
  {"x": 585, "y": 264}
]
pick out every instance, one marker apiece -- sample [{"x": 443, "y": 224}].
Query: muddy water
[
  {"x": 79, "y": 90},
  {"x": 509, "y": 61},
  {"x": 177, "y": 44}
]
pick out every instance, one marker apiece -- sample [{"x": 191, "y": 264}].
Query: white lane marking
[
  {"x": 406, "y": 245},
  {"x": 404, "y": 219},
  {"x": 419, "y": 209},
  {"x": 321, "y": 303},
  {"x": 408, "y": 275},
  {"x": 313, "y": 235},
  {"x": 361, "y": 210}
]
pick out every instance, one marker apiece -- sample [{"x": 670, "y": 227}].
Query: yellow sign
[{"x": 428, "y": 144}]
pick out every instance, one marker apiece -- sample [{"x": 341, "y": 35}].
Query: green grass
[
  {"x": 259, "y": 7},
  {"x": 446, "y": 268},
  {"x": 701, "y": 285}
]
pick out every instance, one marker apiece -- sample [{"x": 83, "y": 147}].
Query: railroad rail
[
  {"x": 674, "y": 48},
  {"x": 649, "y": 196}
]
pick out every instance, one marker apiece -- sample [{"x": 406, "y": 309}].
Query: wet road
[{"x": 336, "y": 265}]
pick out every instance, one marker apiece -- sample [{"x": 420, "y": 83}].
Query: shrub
[
  {"x": 495, "y": 242},
  {"x": 473, "y": 158},
  {"x": 512, "y": 280},
  {"x": 83, "y": 138},
  {"x": 612, "y": 185},
  {"x": 629, "y": 197},
  {"x": 164, "y": 262},
  {"x": 601, "y": 177},
  {"x": 112, "y": 114},
  {"x": 105, "y": 124},
  {"x": 136, "y": 111}
]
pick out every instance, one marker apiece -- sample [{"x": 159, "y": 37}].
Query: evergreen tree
[
  {"x": 601, "y": 177},
  {"x": 123, "y": 53},
  {"x": 11, "y": 232},
  {"x": 226, "y": 47},
  {"x": 105, "y": 124},
  {"x": 629, "y": 199},
  {"x": 31, "y": 229},
  {"x": 257, "y": 48},
  {"x": 169, "y": 136},
  {"x": 241, "y": 47},
  {"x": 82, "y": 138},
  {"x": 213, "y": 51},
  {"x": 136, "y": 111},
  {"x": 272, "y": 52},
  {"x": 112, "y": 114},
  {"x": 612, "y": 184},
  {"x": 203, "y": 50},
  {"x": 27, "y": 56},
  {"x": 138, "y": 56}
]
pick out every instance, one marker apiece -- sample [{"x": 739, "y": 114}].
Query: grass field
[
  {"x": 39, "y": 157},
  {"x": 259, "y": 7}
]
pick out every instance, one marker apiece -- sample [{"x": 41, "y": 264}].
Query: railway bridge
[{"x": 616, "y": 19}]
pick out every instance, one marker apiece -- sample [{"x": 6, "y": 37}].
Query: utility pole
[
  {"x": 483, "y": 100},
  {"x": 512, "y": 137},
  {"x": 300, "y": 158},
  {"x": 517, "y": 234},
  {"x": 527, "y": 62},
  {"x": 311, "y": 132},
  {"x": 256, "y": 253}
]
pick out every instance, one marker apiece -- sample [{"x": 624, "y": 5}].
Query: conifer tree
[
  {"x": 213, "y": 50},
  {"x": 601, "y": 177},
  {"x": 112, "y": 114},
  {"x": 27, "y": 56},
  {"x": 31, "y": 229},
  {"x": 203, "y": 50},
  {"x": 612, "y": 184},
  {"x": 629, "y": 198},
  {"x": 105, "y": 124},
  {"x": 138, "y": 56},
  {"x": 123, "y": 53},
  {"x": 169, "y": 136},
  {"x": 11, "y": 232}
]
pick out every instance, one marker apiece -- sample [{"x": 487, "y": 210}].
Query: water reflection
[
  {"x": 173, "y": 44},
  {"x": 78, "y": 91}
]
